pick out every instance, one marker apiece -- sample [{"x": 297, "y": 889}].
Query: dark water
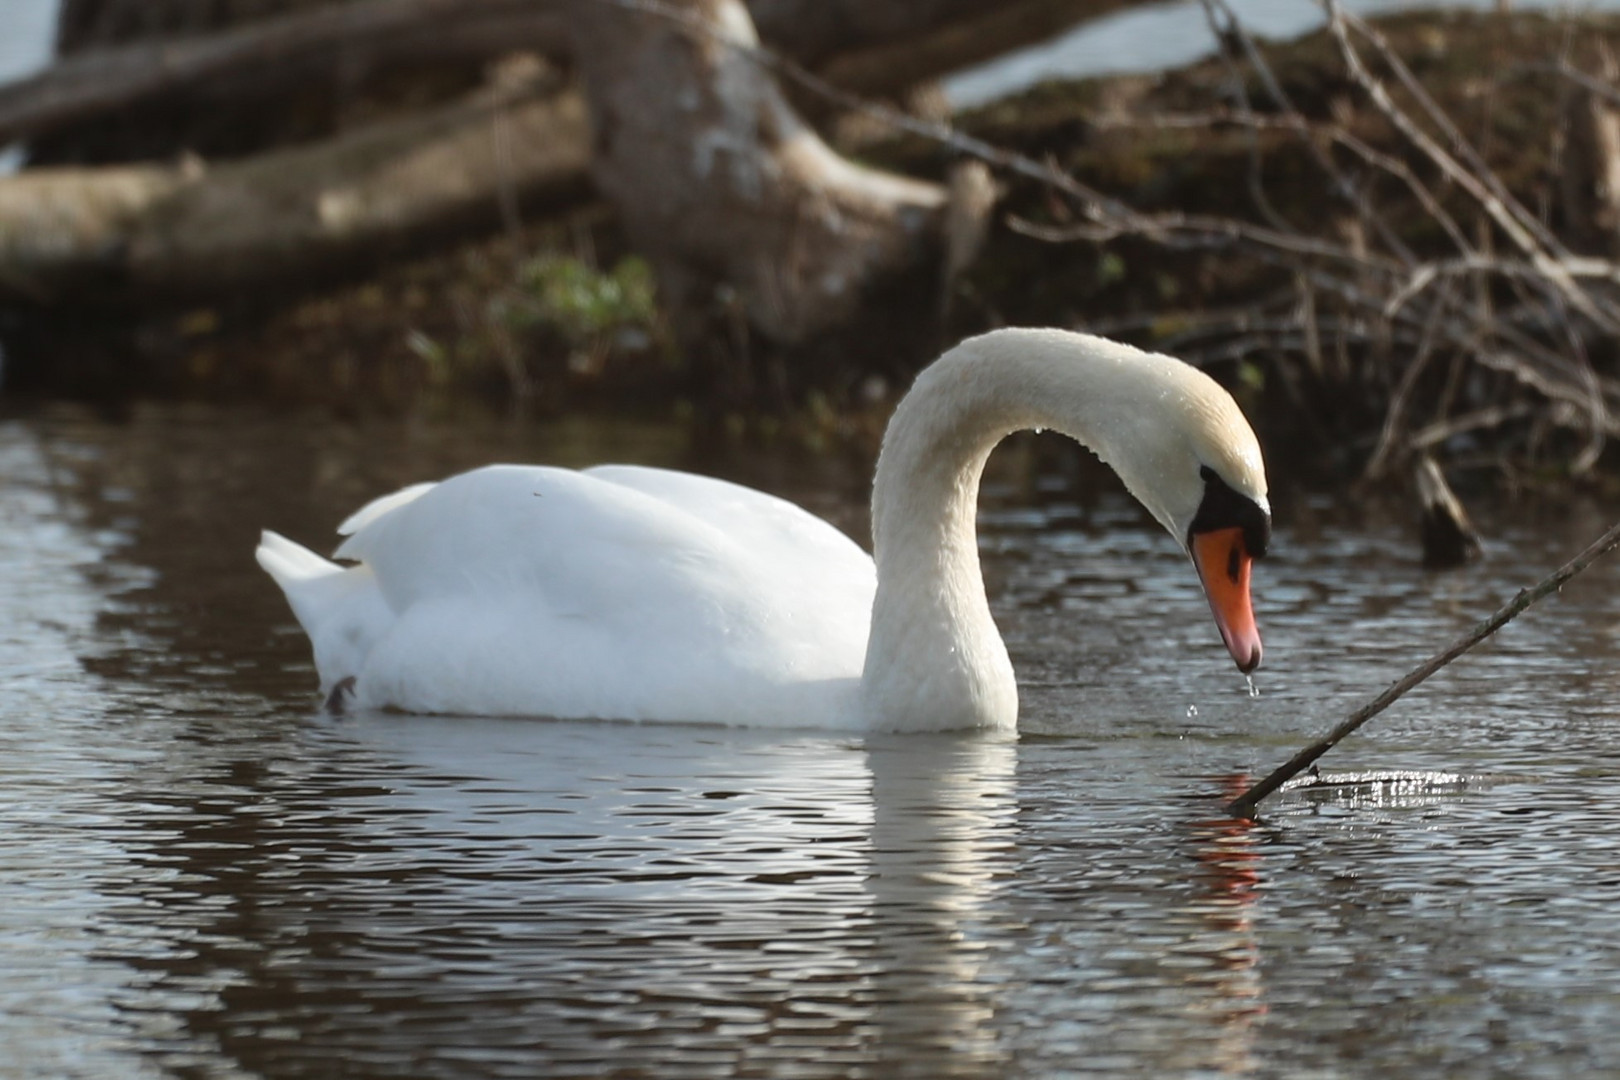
[{"x": 202, "y": 877}]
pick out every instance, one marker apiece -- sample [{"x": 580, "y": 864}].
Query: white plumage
[
  {"x": 617, "y": 592},
  {"x": 632, "y": 593}
]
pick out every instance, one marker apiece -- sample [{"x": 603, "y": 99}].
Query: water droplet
[
  {"x": 1192, "y": 711},
  {"x": 1254, "y": 691}
]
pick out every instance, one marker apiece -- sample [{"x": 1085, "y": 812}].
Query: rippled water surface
[{"x": 201, "y": 876}]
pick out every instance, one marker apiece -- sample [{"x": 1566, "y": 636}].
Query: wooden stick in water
[{"x": 1243, "y": 806}]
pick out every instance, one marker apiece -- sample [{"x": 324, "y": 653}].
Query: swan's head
[
  {"x": 1228, "y": 531},
  {"x": 1189, "y": 455},
  {"x": 1174, "y": 436}
]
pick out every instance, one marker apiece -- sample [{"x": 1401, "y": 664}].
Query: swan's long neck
[{"x": 934, "y": 657}]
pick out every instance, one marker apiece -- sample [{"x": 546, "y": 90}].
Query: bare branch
[
  {"x": 1244, "y": 805},
  {"x": 269, "y": 53},
  {"x": 1395, "y": 414},
  {"x": 1482, "y": 186}
]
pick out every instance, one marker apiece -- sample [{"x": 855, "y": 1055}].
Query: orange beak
[{"x": 1223, "y": 566}]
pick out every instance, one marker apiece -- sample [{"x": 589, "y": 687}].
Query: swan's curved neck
[{"x": 934, "y": 657}]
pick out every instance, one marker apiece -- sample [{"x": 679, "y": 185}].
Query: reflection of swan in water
[
  {"x": 646, "y": 594},
  {"x": 944, "y": 816},
  {"x": 738, "y": 893},
  {"x": 730, "y": 889}
]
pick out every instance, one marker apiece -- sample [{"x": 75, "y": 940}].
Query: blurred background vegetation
[{"x": 1394, "y": 241}]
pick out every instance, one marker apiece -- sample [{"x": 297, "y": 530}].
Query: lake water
[{"x": 202, "y": 876}]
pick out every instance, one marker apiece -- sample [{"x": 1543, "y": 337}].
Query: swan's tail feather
[
  {"x": 339, "y": 608},
  {"x": 289, "y": 562},
  {"x": 310, "y": 582}
]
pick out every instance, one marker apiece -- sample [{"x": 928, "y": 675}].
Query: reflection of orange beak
[{"x": 1223, "y": 566}]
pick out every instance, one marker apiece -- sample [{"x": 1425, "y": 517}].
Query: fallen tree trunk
[
  {"x": 798, "y": 232},
  {"x": 865, "y": 46},
  {"x": 882, "y": 48},
  {"x": 723, "y": 186},
  {"x": 796, "y": 229},
  {"x": 261, "y": 58},
  {"x": 188, "y": 231}
]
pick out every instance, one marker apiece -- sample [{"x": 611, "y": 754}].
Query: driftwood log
[
  {"x": 264, "y": 58},
  {"x": 867, "y": 46},
  {"x": 721, "y": 184},
  {"x": 189, "y": 231}
]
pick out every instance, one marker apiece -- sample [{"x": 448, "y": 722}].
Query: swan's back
[{"x": 619, "y": 593}]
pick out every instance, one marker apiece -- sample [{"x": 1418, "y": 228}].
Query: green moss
[{"x": 563, "y": 294}]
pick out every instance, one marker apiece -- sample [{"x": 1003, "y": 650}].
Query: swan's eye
[{"x": 1224, "y": 508}]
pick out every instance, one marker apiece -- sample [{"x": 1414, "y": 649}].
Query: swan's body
[
  {"x": 616, "y": 592},
  {"x": 646, "y": 594}
]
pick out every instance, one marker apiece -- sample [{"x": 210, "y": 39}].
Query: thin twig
[
  {"x": 1542, "y": 249},
  {"x": 1395, "y": 414},
  {"x": 1579, "y": 78},
  {"x": 1460, "y": 146},
  {"x": 1244, "y": 805},
  {"x": 1257, "y": 187},
  {"x": 1173, "y": 229},
  {"x": 1490, "y": 416},
  {"x": 1347, "y": 188}
]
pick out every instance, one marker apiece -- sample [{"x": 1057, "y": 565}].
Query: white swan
[{"x": 646, "y": 594}]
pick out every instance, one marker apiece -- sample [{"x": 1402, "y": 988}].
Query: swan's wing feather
[
  {"x": 661, "y": 588},
  {"x": 376, "y": 508},
  {"x": 601, "y": 533},
  {"x": 509, "y": 529},
  {"x": 759, "y": 522}
]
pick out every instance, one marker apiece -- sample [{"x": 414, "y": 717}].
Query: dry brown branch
[
  {"x": 191, "y": 231},
  {"x": 1257, "y": 191},
  {"x": 1528, "y": 312},
  {"x": 1178, "y": 230},
  {"x": 851, "y": 46},
  {"x": 1244, "y": 805},
  {"x": 1476, "y": 167},
  {"x": 1343, "y": 185},
  {"x": 269, "y": 55},
  {"x": 1395, "y": 415},
  {"x": 1493, "y": 416},
  {"x": 1479, "y": 182}
]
